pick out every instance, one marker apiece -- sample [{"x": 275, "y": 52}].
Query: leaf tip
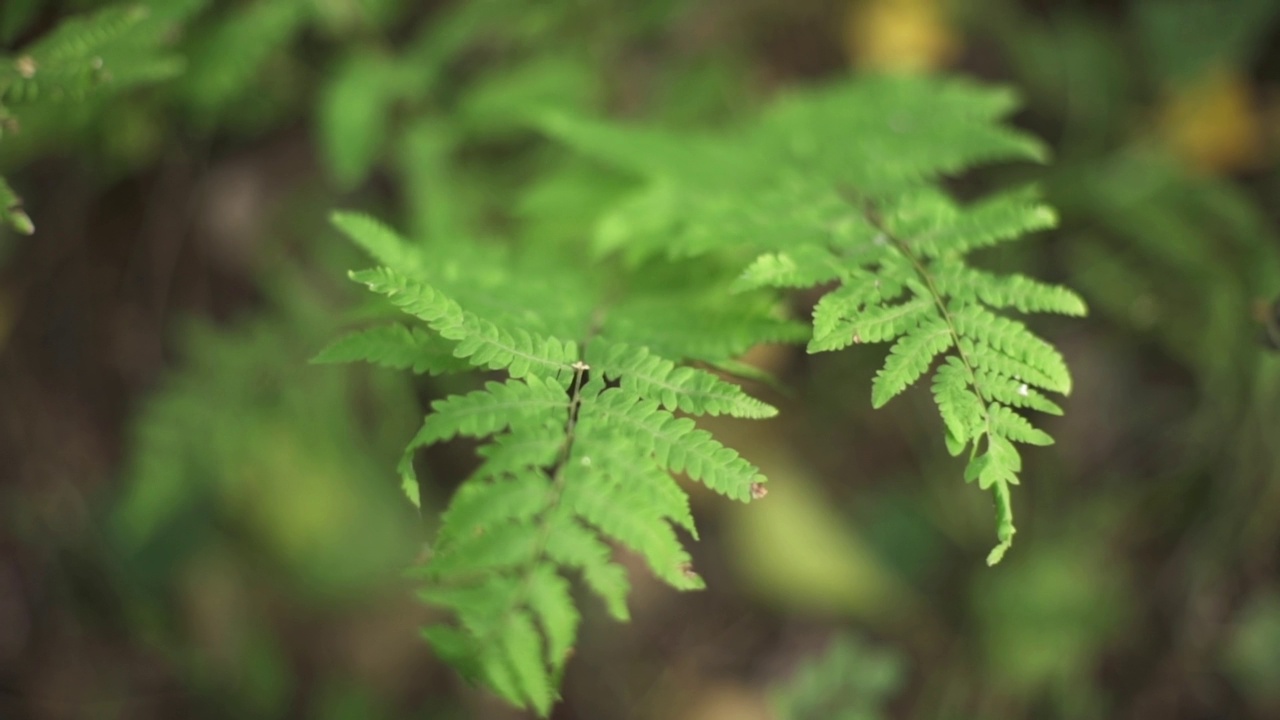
[{"x": 997, "y": 553}]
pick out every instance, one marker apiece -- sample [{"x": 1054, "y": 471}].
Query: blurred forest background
[{"x": 196, "y": 523}]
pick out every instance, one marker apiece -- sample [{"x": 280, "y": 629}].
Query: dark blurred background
[{"x": 196, "y": 523}]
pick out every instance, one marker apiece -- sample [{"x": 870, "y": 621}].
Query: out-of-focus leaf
[
  {"x": 849, "y": 681},
  {"x": 509, "y": 100},
  {"x": 1252, "y": 655},
  {"x": 1184, "y": 38},
  {"x": 796, "y": 551},
  {"x": 355, "y": 107},
  {"x": 1045, "y": 616}
]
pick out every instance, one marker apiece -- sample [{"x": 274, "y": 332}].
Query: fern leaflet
[
  {"x": 397, "y": 347},
  {"x": 838, "y": 187}
]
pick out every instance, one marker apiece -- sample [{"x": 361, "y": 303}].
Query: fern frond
[
  {"x": 564, "y": 471},
  {"x": 115, "y": 46},
  {"x": 835, "y": 187},
  {"x": 79, "y": 38},
  {"x": 576, "y": 453},
  {"x": 838, "y": 186}
]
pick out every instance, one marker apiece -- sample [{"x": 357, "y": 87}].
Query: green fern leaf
[
  {"x": 552, "y": 603},
  {"x": 1007, "y": 423},
  {"x": 877, "y": 323},
  {"x": 676, "y": 444},
  {"x": 1014, "y": 393},
  {"x": 412, "y": 296},
  {"x": 937, "y": 226},
  {"x": 353, "y": 114},
  {"x": 80, "y": 37},
  {"x": 909, "y": 358},
  {"x": 687, "y": 389},
  {"x": 573, "y": 545},
  {"x": 381, "y": 242},
  {"x": 480, "y": 342},
  {"x": 1004, "y": 524},
  {"x": 524, "y": 654},
  {"x": 987, "y": 358},
  {"x": 394, "y": 346},
  {"x": 66, "y": 63},
  {"x": 567, "y": 467},
  {"x": 839, "y": 184},
  {"x": 516, "y": 403},
  {"x": 1016, "y": 341},
  {"x": 509, "y": 454},
  {"x": 835, "y": 186},
  {"x": 569, "y": 463},
  {"x": 961, "y": 409},
  {"x": 116, "y": 47},
  {"x": 684, "y": 330},
  {"x": 804, "y": 267},
  {"x": 607, "y": 495},
  {"x": 11, "y": 212},
  {"x": 225, "y": 58},
  {"x": 484, "y": 505},
  {"x": 1006, "y": 291}
]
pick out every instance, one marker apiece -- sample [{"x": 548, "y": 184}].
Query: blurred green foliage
[
  {"x": 850, "y": 681},
  {"x": 248, "y": 440}
]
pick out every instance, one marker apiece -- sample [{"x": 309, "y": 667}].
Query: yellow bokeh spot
[
  {"x": 899, "y": 35},
  {"x": 1212, "y": 124}
]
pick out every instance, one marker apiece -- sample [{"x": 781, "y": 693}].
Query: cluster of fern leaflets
[
  {"x": 583, "y": 440},
  {"x": 839, "y": 188},
  {"x": 112, "y": 49}
]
